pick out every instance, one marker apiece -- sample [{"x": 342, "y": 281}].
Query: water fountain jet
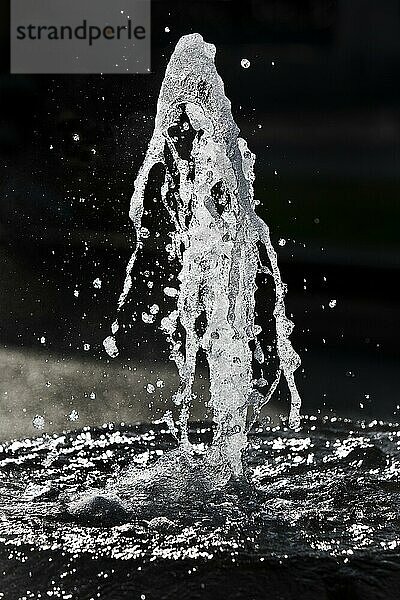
[{"x": 208, "y": 195}]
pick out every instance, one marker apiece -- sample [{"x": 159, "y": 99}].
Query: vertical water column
[{"x": 208, "y": 196}]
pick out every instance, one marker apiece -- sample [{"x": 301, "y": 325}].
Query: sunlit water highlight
[
  {"x": 216, "y": 234},
  {"x": 330, "y": 491}
]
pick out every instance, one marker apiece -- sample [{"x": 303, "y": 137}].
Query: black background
[{"x": 327, "y": 177}]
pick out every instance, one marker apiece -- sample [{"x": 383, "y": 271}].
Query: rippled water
[{"x": 120, "y": 512}]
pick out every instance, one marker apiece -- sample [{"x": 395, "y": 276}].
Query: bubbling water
[{"x": 208, "y": 195}]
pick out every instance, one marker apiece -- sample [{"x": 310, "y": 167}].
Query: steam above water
[{"x": 208, "y": 195}]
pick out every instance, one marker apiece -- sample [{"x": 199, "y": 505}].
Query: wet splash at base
[
  {"x": 208, "y": 195},
  {"x": 320, "y": 514}
]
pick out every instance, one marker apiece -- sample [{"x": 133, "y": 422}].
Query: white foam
[{"x": 215, "y": 239}]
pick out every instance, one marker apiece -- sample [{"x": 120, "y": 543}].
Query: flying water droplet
[
  {"x": 73, "y": 415},
  {"x": 154, "y": 309},
  {"x": 148, "y": 318},
  {"x": 38, "y": 422},
  {"x": 144, "y": 233},
  {"x": 171, "y": 292},
  {"x": 110, "y": 346}
]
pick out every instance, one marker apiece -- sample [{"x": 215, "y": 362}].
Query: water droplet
[
  {"x": 332, "y": 303},
  {"x": 150, "y": 388},
  {"x": 148, "y": 318},
  {"x": 110, "y": 346},
  {"x": 282, "y": 242},
  {"x": 38, "y": 422},
  {"x": 97, "y": 283},
  {"x": 171, "y": 292},
  {"x": 245, "y": 63},
  {"x": 73, "y": 415},
  {"x": 144, "y": 233}
]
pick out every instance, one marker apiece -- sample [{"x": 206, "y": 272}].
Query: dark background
[{"x": 324, "y": 122}]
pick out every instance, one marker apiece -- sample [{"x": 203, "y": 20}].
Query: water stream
[{"x": 209, "y": 199}]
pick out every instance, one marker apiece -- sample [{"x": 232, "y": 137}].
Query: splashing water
[
  {"x": 135, "y": 511},
  {"x": 208, "y": 195},
  {"x": 321, "y": 514}
]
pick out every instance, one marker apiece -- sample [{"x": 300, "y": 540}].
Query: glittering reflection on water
[{"x": 128, "y": 494}]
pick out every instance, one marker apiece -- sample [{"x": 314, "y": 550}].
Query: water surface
[{"x": 120, "y": 512}]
